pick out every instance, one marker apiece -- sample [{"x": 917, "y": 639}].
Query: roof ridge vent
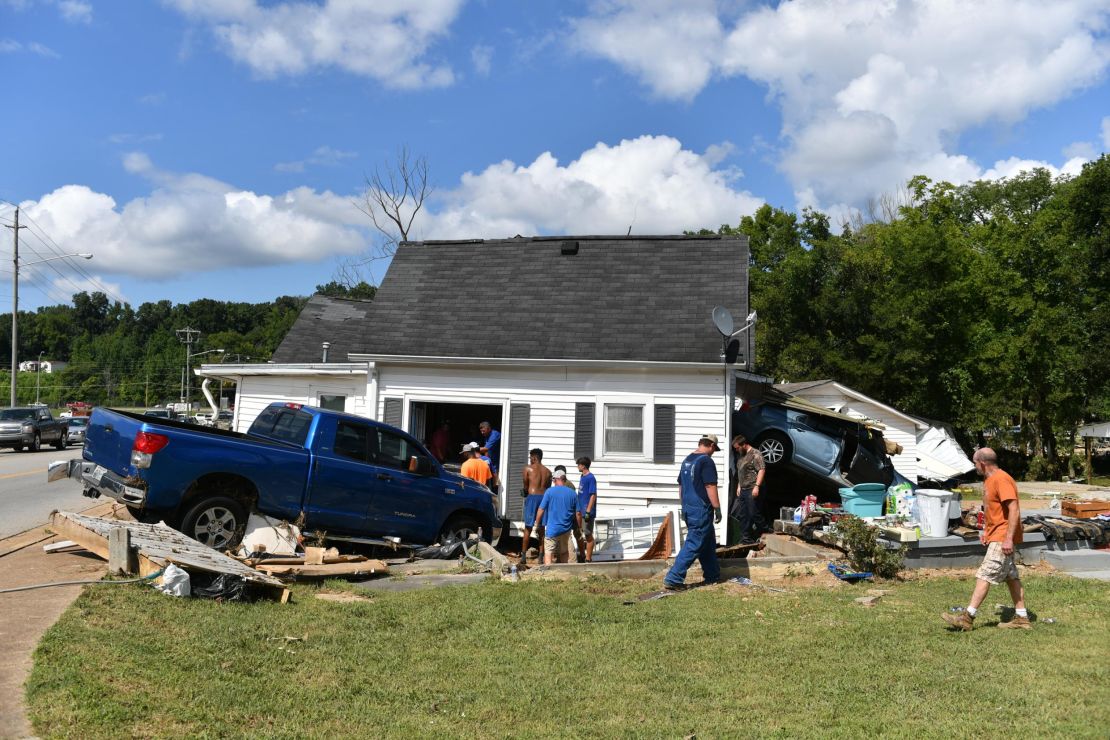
[{"x": 569, "y": 248}]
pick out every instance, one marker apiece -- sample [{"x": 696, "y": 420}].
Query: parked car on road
[
  {"x": 30, "y": 427},
  {"x": 350, "y": 478},
  {"x": 160, "y": 413},
  {"x": 76, "y": 432}
]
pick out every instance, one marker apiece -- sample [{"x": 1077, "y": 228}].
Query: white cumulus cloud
[
  {"x": 650, "y": 183},
  {"x": 387, "y": 40},
  {"x": 191, "y": 223},
  {"x": 871, "y": 91}
]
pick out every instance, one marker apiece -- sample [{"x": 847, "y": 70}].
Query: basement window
[{"x": 332, "y": 402}]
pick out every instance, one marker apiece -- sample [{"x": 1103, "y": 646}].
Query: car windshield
[
  {"x": 78, "y": 422},
  {"x": 17, "y": 414}
]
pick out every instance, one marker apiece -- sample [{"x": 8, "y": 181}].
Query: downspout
[
  {"x": 211, "y": 401},
  {"x": 372, "y": 401}
]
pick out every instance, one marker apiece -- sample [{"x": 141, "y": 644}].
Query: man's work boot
[
  {"x": 960, "y": 620},
  {"x": 1017, "y": 623}
]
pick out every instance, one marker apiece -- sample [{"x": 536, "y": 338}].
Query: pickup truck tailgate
[{"x": 109, "y": 439}]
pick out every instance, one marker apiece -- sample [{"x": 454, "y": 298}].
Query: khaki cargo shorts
[
  {"x": 558, "y": 546},
  {"x": 997, "y": 567}
]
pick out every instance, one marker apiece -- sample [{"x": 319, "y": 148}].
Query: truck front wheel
[
  {"x": 460, "y": 528},
  {"x": 218, "y": 522}
]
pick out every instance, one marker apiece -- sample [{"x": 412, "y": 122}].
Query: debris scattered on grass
[
  {"x": 868, "y": 600},
  {"x": 343, "y": 597}
]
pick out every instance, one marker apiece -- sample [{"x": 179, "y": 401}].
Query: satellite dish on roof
[{"x": 722, "y": 319}]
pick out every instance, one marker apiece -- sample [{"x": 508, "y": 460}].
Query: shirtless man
[{"x": 537, "y": 479}]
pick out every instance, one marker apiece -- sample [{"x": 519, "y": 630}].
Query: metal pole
[
  {"x": 38, "y": 372},
  {"x": 15, "y": 303}
]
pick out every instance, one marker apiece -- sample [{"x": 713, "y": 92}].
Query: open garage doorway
[{"x": 445, "y": 427}]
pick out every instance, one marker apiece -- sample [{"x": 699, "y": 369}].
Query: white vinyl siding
[
  {"x": 552, "y": 392},
  {"x": 256, "y": 392}
]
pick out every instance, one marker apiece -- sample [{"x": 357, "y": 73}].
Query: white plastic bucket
[{"x": 933, "y": 507}]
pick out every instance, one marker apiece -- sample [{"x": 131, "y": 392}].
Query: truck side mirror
[{"x": 421, "y": 465}]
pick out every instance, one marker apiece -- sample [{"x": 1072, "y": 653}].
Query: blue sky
[{"x": 216, "y": 148}]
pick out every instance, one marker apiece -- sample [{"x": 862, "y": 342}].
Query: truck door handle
[{"x": 385, "y": 476}]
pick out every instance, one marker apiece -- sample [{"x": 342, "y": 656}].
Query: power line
[{"x": 44, "y": 237}]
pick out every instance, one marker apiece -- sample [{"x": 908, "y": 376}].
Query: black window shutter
[
  {"x": 393, "y": 411},
  {"x": 584, "y": 420},
  {"x": 664, "y": 433},
  {"x": 512, "y": 463}
]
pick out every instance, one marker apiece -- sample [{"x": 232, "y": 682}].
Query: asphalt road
[{"x": 26, "y": 499}]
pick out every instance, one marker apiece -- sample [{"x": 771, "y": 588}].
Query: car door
[
  {"x": 813, "y": 449},
  {"x": 48, "y": 432},
  {"x": 410, "y": 502},
  {"x": 344, "y": 479}
]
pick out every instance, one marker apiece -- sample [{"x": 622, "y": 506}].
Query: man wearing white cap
[
  {"x": 559, "y": 504},
  {"x": 475, "y": 468},
  {"x": 701, "y": 509}
]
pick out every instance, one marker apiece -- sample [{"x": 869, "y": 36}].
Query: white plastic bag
[{"x": 175, "y": 581}]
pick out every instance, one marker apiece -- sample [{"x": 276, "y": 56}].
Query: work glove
[
  {"x": 524, "y": 493},
  {"x": 586, "y": 516},
  {"x": 717, "y": 516}
]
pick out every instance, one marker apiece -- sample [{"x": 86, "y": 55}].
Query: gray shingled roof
[
  {"x": 340, "y": 321},
  {"x": 616, "y": 298}
]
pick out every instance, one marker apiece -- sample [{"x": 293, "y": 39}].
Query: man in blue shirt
[
  {"x": 558, "y": 504},
  {"x": 491, "y": 445},
  {"x": 587, "y": 508},
  {"x": 701, "y": 509}
]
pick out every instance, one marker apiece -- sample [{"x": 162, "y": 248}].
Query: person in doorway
[
  {"x": 491, "y": 445},
  {"x": 1001, "y": 533},
  {"x": 701, "y": 510},
  {"x": 750, "y": 470},
  {"x": 587, "y": 509},
  {"x": 557, "y": 511},
  {"x": 537, "y": 479},
  {"x": 473, "y": 467},
  {"x": 440, "y": 441}
]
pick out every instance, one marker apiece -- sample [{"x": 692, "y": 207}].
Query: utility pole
[
  {"x": 187, "y": 336},
  {"x": 15, "y": 302}
]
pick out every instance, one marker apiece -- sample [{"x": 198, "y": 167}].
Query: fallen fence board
[
  {"x": 335, "y": 570},
  {"x": 157, "y": 545}
]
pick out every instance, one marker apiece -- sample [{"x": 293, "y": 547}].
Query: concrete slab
[
  {"x": 1079, "y": 560},
  {"x": 1093, "y": 575},
  {"x": 417, "y": 583}
]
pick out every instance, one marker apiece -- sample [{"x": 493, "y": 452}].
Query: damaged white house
[{"x": 596, "y": 346}]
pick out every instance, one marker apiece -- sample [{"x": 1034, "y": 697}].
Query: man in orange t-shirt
[
  {"x": 1001, "y": 532},
  {"x": 475, "y": 468}
]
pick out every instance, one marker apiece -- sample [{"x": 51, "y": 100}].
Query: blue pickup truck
[{"x": 348, "y": 477}]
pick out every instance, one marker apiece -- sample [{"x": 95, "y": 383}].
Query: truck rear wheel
[
  {"x": 36, "y": 443},
  {"x": 61, "y": 443},
  {"x": 217, "y": 521}
]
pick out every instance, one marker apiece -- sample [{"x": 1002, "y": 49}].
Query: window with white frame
[
  {"x": 624, "y": 429},
  {"x": 332, "y": 402}
]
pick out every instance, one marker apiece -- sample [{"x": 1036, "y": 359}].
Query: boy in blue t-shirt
[
  {"x": 587, "y": 509},
  {"x": 557, "y": 513}
]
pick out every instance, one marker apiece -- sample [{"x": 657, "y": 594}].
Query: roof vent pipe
[{"x": 325, "y": 345}]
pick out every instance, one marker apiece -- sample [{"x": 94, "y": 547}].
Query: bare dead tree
[{"x": 395, "y": 194}]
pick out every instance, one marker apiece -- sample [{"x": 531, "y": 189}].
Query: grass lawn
[{"x": 569, "y": 659}]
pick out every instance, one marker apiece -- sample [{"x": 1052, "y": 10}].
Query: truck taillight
[
  {"x": 146, "y": 444},
  {"x": 149, "y": 442}
]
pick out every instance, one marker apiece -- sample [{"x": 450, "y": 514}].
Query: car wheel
[
  {"x": 36, "y": 444},
  {"x": 218, "y": 522},
  {"x": 776, "y": 448},
  {"x": 460, "y": 528},
  {"x": 61, "y": 443}
]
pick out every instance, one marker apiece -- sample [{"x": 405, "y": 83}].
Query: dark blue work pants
[
  {"x": 700, "y": 545},
  {"x": 746, "y": 512}
]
